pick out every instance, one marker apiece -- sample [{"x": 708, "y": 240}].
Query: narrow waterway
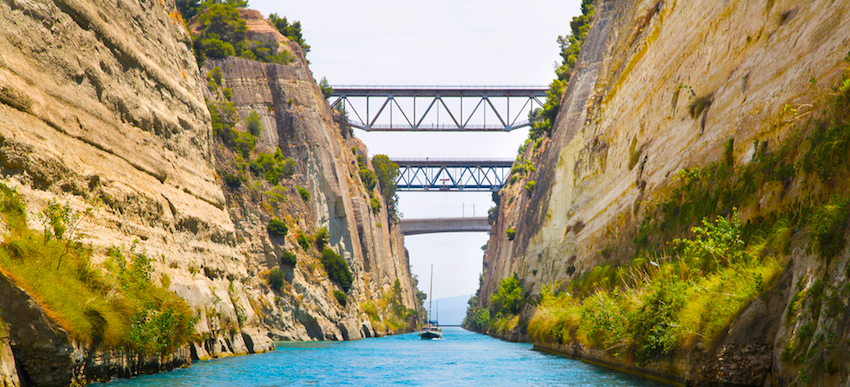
[{"x": 461, "y": 358}]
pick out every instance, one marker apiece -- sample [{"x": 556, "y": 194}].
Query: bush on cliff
[
  {"x": 222, "y": 33},
  {"x": 288, "y": 258},
  {"x": 337, "y": 269},
  {"x": 120, "y": 306},
  {"x": 508, "y": 299},
  {"x": 276, "y": 279},
  {"x": 291, "y": 31},
  {"x": 276, "y": 228}
]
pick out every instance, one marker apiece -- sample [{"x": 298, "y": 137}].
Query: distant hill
[{"x": 452, "y": 309}]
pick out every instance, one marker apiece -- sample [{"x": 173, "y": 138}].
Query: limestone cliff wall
[
  {"x": 104, "y": 101},
  {"x": 630, "y": 93}
]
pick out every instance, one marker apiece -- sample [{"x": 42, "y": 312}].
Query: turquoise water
[{"x": 461, "y": 358}]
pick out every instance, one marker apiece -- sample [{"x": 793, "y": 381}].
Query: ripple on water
[{"x": 462, "y": 358}]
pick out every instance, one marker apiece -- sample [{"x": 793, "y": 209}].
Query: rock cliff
[
  {"x": 103, "y": 102},
  {"x": 661, "y": 86}
]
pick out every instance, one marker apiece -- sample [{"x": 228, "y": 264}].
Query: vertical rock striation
[
  {"x": 629, "y": 121},
  {"x": 104, "y": 101}
]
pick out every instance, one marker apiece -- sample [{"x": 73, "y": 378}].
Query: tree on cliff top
[
  {"x": 291, "y": 31},
  {"x": 387, "y": 172}
]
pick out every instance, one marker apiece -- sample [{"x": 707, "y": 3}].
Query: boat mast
[{"x": 430, "y": 294}]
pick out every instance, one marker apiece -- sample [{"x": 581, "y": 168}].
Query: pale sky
[{"x": 437, "y": 42}]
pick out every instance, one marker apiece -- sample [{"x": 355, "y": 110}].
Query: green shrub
[
  {"x": 337, "y": 269},
  {"x": 276, "y": 228},
  {"x": 511, "y": 233},
  {"x": 327, "y": 90},
  {"x": 288, "y": 258},
  {"x": 341, "y": 297},
  {"x": 828, "y": 225},
  {"x": 253, "y": 123},
  {"x": 386, "y": 172},
  {"x": 215, "y": 75},
  {"x": 480, "y": 320},
  {"x": 276, "y": 279},
  {"x": 375, "y": 203},
  {"x": 227, "y": 93},
  {"x": 273, "y": 167},
  {"x": 245, "y": 143},
  {"x": 305, "y": 195},
  {"x": 508, "y": 298},
  {"x": 529, "y": 186},
  {"x": 321, "y": 238},
  {"x": 232, "y": 181},
  {"x": 368, "y": 178},
  {"x": 302, "y": 241},
  {"x": 492, "y": 215},
  {"x": 291, "y": 31}
]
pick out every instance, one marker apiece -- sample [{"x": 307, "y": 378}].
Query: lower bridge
[{"x": 438, "y": 225}]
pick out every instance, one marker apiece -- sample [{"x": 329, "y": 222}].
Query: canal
[{"x": 461, "y": 358}]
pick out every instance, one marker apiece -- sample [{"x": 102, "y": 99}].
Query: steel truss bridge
[
  {"x": 442, "y": 110},
  {"x": 472, "y": 175}
]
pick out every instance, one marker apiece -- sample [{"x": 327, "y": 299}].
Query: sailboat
[{"x": 431, "y": 330}]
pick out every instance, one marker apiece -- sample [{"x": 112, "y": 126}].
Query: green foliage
[
  {"x": 375, "y": 203},
  {"x": 327, "y": 90},
  {"x": 288, "y": 258},
  {"x": 337, "y": 269},
  {"x": 303, "y": 241},
  {"x": 529, "y": 186},
  {"x": 368, "y": 178},
  {"x": 276, "y": 279},
  {"x": 715, "y": 245},
  {"x": 188, "y": 8},
  {"x": 215, "y": 75},
  {"x": 652, "y": 306},
  {"x": 291, "y": 31},
  {"x": 245, "y": 143},
  {"x": 273, "y": 167},
  {"x": 105, "y": 308},
  {"x": 305, "y": 195},
  {"x": 255, "y": 127},
  {"x": 570, "y": 46},
  {"x": 224, "y": 118},
  {"x": 387, "y": 172},
  {"x": 508, "y": 299},
  {"x": 341, "y": 297},
  {"x": 222, "y": 33},
  {"x": 276, "y": 228},
  {"x": 492, "y": 215},
  {"x": 511, "y": 233},
  {"x": 232, "y": 181},
  {"x": 480, "y": 321},
  {"x": 321, "y": 238},
  {"x": 828, "y": 225}
]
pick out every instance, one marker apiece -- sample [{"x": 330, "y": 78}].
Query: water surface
[{"x": 461, "y": 358}]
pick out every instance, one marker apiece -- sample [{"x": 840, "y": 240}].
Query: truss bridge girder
[
  {"x": 437, "y": 108},
  {"x": 452, "y": 175}
]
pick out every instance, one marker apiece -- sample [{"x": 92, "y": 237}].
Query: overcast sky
[{"x": 437, "y": 42}]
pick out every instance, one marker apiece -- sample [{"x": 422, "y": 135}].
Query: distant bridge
[
  {"x": 452, "y": 174},
  {"x": 356, "y": 102},
  {"x": 438, "y": 225}
]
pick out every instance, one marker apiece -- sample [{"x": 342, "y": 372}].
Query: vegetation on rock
[
  {"x": 337, "y": 269},
  {"x": 116, "y": 305}
]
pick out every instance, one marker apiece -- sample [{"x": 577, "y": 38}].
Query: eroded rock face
[
  {"x": 625, "y": 128},
  {"x": 104, "y": 100},
  {"x": 297, "y": 120}
]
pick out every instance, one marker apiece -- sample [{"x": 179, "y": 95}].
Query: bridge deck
[
  {"x": 438, "y": 225},
  {"x": 427, "y": 162}
]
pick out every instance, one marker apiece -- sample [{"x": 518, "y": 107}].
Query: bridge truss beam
[
  {"x": 452, "y": 175},
  {"x": 411, "y": 115}
]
